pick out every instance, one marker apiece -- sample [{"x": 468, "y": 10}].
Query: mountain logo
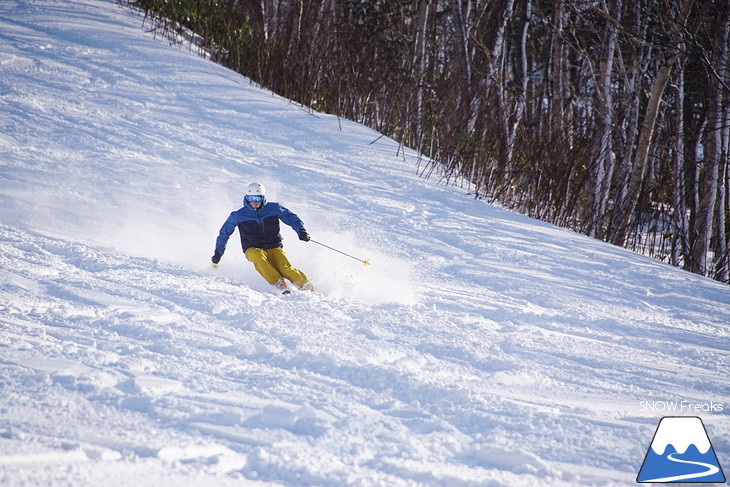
[{"x": 680, "y": 452}]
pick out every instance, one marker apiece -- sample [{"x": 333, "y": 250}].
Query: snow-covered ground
[{"x": 480, "y": 348}]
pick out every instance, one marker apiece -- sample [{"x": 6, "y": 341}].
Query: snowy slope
[{"x": 479, "y": 348}]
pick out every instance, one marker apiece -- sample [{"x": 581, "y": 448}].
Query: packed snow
[{"x": 479, "y": 348}]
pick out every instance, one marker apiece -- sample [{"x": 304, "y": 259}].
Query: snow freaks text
[{"x": 689, "y": 407}]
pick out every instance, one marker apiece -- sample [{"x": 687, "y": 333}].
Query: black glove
[
  {"x": 304, "y": 236},
  {"x": 216, "y": 257}
]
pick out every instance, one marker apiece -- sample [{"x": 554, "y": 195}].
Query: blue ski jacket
[{"x": 258, "y": 228}]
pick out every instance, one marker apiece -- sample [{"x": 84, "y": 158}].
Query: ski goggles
[{"x": 254, "y": 198}]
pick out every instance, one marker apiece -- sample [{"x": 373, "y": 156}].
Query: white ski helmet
[{"x": 255, "y": 189}]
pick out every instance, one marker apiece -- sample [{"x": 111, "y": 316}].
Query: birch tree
[{"x": 626, "y": 218}]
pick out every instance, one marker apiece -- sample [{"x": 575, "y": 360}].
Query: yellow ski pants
[{"x": 273, "y": 265}]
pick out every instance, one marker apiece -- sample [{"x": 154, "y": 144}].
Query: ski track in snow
[{"x": 479, "y": 348}]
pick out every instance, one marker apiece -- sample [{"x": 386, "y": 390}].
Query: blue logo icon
[{"x": 680, "y": 452}]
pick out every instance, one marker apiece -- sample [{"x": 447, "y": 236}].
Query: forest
[{"x": 608, "y": 117}]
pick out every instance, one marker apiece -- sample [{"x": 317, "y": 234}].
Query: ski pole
[{"x": 365, "y": 262}]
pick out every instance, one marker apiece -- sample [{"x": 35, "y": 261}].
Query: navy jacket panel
[{"x": 258, "y": 228}]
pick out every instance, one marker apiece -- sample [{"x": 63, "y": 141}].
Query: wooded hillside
[{"x": 610, "y": 117}]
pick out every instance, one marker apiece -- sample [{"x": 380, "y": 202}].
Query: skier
[{"x": 258, "y": 226}]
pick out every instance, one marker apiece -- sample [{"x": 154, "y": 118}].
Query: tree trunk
[
  {"x": 499, "y": 68},
  {"x": 708, "y": 197},
  {"x": 719, "y": 162},
  {"x": 523, "y": 77},
  {"x": 558, "y": 74},
  {"x": 679, "y": 232},
  {"x": 627, "y": 218},
  {"x": 605, "y": 158},
  {"x": 722, "y": 249},
  {"x": 419, "y": 63}
]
